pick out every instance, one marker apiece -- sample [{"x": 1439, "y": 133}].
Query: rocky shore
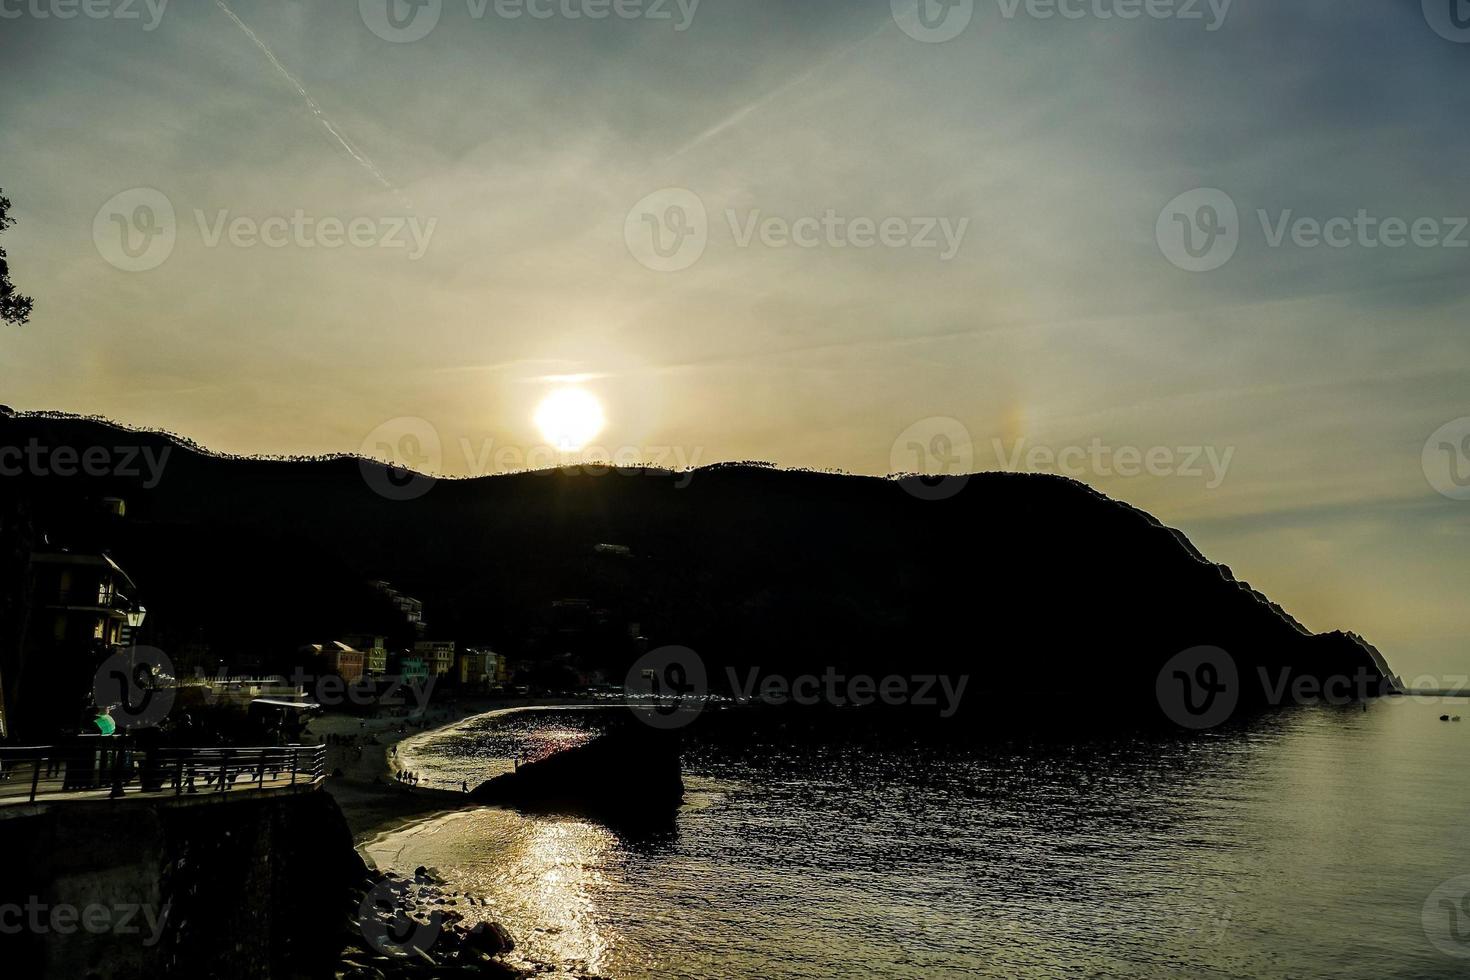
[{"x": 402, "y": 927}]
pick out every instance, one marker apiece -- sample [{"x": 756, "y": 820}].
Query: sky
[{"x": 1151, "y": 246}]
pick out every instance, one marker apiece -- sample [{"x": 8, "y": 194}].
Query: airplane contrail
[
  {"x": 739, "y": 115},
  {"x": 311, "y": 103}
]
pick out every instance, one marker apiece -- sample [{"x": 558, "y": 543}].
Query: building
[
  {"x": 437, "y": 654},
  {"x": 347, "y": 662},
  {"x": 66, "y": 607},
  {"x": 343, "y": 660},
  {"x": 411, "y": 610},
  {"x": 478, "y": 668},
  {"x": 84, "y": 599},
  {"x": 374, "y": 650},
  {"x": 413, "y": 669},
  {"x": 79, "y": 609}
]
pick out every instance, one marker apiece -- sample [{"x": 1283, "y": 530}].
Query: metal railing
[
  {"x": 96, "y": 762},
  {"x": 90, "y": 599}
]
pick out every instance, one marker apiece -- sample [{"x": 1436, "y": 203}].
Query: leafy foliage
[{"x": 14, "y": 308}]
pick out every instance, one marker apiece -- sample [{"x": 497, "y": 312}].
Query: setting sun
[{"x": 569, "y": 418}]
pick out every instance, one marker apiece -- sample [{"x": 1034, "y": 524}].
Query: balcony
[{"x": 111, "y": 603}]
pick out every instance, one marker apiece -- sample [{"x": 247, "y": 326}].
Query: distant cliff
[{"x": 1022, "y": 581}]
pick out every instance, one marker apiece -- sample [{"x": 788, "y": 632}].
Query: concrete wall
[{"x": 210, "y": 887}]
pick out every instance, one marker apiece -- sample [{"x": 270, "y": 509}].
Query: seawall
[{"x": 197, "y": 887}]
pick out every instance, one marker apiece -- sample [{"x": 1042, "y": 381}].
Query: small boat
[{"x": 1444, "y": 717}]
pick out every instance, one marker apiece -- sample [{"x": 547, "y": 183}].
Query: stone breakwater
[{"x": 629, "y": 775}]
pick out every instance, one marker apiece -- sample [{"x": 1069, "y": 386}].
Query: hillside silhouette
[{"x": 1024, "y": 582}]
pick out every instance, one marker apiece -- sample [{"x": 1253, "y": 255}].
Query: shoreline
[{"x": 373, "y": 803}]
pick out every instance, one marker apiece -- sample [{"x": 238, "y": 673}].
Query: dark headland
[
  {"x": 1021, "y": 582},
  {"x": 1056, "y": 605}
]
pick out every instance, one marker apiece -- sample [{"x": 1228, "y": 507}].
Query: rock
[{"x": 490, "y": 938}]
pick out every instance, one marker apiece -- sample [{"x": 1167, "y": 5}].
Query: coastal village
[
  {"x": 82, "y": 653},
  {"x": 213, "y": 771}
]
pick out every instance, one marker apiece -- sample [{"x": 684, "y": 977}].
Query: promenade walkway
[{"x": 107, "y": 770}]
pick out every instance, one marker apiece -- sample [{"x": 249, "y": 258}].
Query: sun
[{"x": 570, "y": 418}]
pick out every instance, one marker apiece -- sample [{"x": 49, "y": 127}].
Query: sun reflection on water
[
  {"x": 540, "y": 877},
  {"x": 567, "y": 857}
]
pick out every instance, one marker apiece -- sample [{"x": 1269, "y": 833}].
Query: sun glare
[{"x": 569, "y": 418}]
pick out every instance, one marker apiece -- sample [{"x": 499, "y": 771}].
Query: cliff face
[
  {"x": 1019, "y": 581},
  {"x": 235, "y": 890}
]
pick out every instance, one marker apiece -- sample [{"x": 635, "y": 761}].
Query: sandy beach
[
  {"x": 362, "y": 769},
  {"x": 362, "y": 773}
]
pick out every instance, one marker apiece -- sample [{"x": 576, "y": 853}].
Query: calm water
[{"x": 1305, "y": 846}]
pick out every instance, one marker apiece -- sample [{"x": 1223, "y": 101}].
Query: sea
[{"x": 1327, "y": 841}]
